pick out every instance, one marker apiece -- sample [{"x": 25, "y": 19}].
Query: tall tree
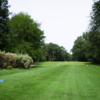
[
  {"x": 87, "y": 45},
  {"x": 92, "y": 46},
  {"x": 78, "y": 49},
  {"x": 4, "y": 14},
  {"x": 95, "y": 16},
  {"x": 94, "y": 34},
  {"x": 25, "y": 35},
  {"x": 54, "y": 52}
]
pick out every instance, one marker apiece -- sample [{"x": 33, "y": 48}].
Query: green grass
[{"x": 52, "y": 81}]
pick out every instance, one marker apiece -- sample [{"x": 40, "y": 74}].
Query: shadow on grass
[
  {"x": 91, "y": 63},
  {"x": 37, "y": 66}
]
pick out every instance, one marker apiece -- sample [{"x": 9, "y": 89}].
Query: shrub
[
  {"x": 16, "y": 60},
  {"x": 9, "y": 67},
  {"x": 2, "y": 55},
  {"x": 0, "y": 68}
]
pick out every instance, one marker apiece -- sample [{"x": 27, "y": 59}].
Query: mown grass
[{"x": 52, "y": 81}]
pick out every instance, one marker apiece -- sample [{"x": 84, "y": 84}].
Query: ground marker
[{"x": 1, "y": 80}]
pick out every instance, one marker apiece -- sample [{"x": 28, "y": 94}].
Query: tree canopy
[
  {"x": 25, "y": 35},
  {"x": 95, "y": 16},
  {"x": 4, "y": 15},
  {"x": 78, "y": 49},
  {"x": 87, "y": 45},
  {"x": 54, "y": 52},
  {"x": 21, "y": 34}
]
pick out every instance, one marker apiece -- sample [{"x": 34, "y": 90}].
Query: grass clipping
[{"x": 14, "y": 60}]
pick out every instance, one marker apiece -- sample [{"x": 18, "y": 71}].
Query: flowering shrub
[
  {"x": 7, "y": 60},
  {"x": 9, "y": 67}
]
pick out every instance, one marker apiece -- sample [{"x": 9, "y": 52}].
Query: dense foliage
[
  {"x": 25, "y": 35},
  {"x": 79, "y": 50},
  {"x": 4, "y": 14},
  {"x": 95, "y": 16},
  {"x": 54, "y": 52},
  {"x": 21, "y": 34},
  {"x": 88, "y": 45},
  {"x": 12, "y": 60}
]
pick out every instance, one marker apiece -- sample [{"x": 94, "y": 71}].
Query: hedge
[{"x": 14, "y": 60}]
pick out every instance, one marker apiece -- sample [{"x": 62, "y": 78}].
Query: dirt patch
[{"x": 33, "y": 64}]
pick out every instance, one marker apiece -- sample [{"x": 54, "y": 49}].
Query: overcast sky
[{"x": 61, "y": 20}]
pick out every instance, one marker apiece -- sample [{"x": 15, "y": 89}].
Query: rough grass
[{"x": 52, "y": 81}]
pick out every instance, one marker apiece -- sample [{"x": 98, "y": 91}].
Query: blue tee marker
[{"x": 1, "y": 80}]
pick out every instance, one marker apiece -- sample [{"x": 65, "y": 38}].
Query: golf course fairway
[{"x": 52, "y": 81}]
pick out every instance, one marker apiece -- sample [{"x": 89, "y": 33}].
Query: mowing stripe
[{"x": 47, "y": 81}]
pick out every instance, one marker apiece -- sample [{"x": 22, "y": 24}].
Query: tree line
[
  {"x": 22, "y": 35},
  {"x": 87, "y": 46},
  {"x": 54, "y": 52}
]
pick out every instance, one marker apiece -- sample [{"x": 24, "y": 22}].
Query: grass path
[{"x": 52, "y": 81}]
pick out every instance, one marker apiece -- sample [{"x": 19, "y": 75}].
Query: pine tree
[{"x": 4, "y": 15}]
